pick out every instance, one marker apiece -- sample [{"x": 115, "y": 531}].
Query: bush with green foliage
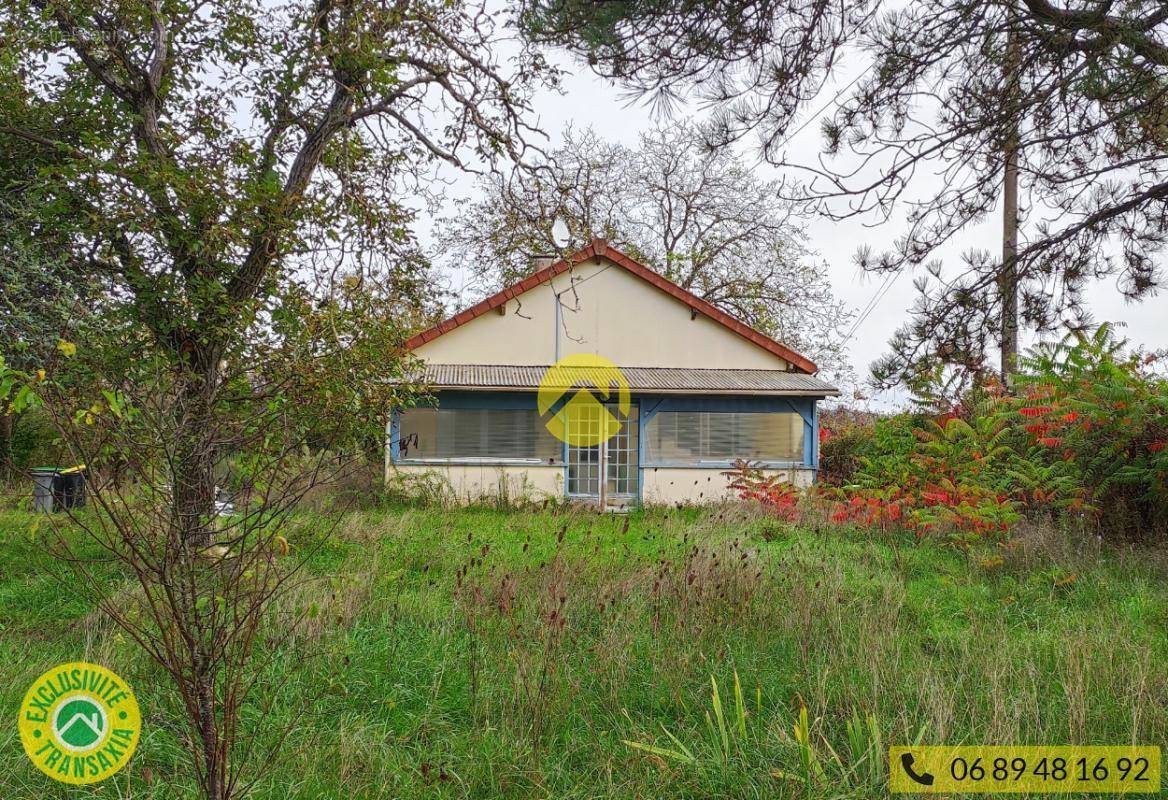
[
  {"x": 843, "y": 434},
  {"x": 34, "y": 441},
  {"x": 1090, "y": 430},
  {"x": 1082, "y": 435}
]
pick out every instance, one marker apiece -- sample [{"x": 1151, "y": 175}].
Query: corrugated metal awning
[{"x": 666, "y": 380}]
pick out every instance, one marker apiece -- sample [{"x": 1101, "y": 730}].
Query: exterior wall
[
  {"x": 606, "y": 311},
  {"x": 661, "y": 483},
  {"x": 467, "y": 483},
  {"x": 691, "y": 486}
]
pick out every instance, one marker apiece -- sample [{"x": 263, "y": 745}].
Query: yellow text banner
[{"x": 946, "y": 769}]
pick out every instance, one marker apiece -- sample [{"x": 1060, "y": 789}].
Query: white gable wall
[{"x": 607, "y": 311}]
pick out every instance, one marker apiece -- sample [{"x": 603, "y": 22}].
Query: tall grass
[{"x": 484, "y": 653}]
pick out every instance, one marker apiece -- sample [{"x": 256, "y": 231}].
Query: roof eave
[
  {"x": 598, "y": 248},
  {"x": 635, "y": 390}
]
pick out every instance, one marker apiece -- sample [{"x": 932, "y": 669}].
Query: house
[{"x": 657, "y": 393}]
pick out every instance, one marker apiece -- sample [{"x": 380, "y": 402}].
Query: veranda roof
[{"x": 662, "y": 380}]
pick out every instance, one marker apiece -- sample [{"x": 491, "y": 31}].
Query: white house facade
[{"x": 704, "y": 390}]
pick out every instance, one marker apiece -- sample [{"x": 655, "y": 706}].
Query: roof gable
[{"x": 599, "y": 248}]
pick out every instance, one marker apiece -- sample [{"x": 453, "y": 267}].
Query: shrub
[
  {"x": 1091, "y": 432},
  {"x": 776, "y": 493},
  {"x": 844, "y": 435},
  {"x": 1084, "y": 434},
  {"x": 964, "y": 513},
  {"x": 34, "y": 440}
]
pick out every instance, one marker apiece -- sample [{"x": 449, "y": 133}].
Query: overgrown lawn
[{"x": 483, "y": 653}]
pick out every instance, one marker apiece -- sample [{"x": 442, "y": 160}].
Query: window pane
[
  {"x": 691, "y": 437},
  {"x": 475, "y": 433}
]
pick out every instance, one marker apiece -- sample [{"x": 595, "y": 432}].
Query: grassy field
[{"x": 572, "y": 635}]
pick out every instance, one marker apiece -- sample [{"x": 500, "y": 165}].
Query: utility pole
[{"x": 1008, "y": 280}]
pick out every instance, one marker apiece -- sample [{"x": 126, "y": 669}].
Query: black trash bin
[
  {"x": 69, "y": 487},
  {"x": 58, "y": 488}
]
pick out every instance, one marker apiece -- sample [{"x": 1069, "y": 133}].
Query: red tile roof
[{"x": 599, "y": 248}]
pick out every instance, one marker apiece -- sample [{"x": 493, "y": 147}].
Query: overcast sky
[{"x": 589, "y": 100}]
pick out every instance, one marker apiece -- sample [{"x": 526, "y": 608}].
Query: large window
[
  {"x": 475, "y": 434},
  {"x": 696, "y": 437}
]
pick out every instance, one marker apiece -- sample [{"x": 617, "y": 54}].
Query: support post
[{"x": 602, "y": 488}]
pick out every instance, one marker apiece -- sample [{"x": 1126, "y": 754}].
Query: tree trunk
[
  {"x": 1009, "y": 277},
  {"x": 196, "y": 454},
  {"x": 7, "y": 424},
  {"x": 1008, "y": 280},
  {"x": 213, "y": 761},
  {"x": 196, "y": 446}
]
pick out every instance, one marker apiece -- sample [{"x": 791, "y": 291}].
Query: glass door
[
  {"x": 621, "y": 460},
  {"x": 616, "y": 459}
]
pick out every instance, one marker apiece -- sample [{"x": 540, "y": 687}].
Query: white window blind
[
  {"x": 693, "y": 437},
  {"x": 479, "y": 434}
]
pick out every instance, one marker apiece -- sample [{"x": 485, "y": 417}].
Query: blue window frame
[{"x": 807, "y": 456}]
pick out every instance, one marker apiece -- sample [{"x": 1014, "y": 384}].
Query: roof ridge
[{"x": 600, "y": 248}]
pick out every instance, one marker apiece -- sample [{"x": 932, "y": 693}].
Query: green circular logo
[{"x": 79, "y": 723}]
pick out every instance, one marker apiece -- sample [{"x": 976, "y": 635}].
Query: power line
[
  {"x": 880, "y": 292},
  {"x": 817, "y": 114},
  {"x": 877, "y": 296}
]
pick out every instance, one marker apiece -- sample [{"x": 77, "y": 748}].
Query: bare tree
[{"x": 699, "y": 217}]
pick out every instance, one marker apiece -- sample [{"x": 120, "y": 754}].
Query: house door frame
[{"x": 607, "y": 474}]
